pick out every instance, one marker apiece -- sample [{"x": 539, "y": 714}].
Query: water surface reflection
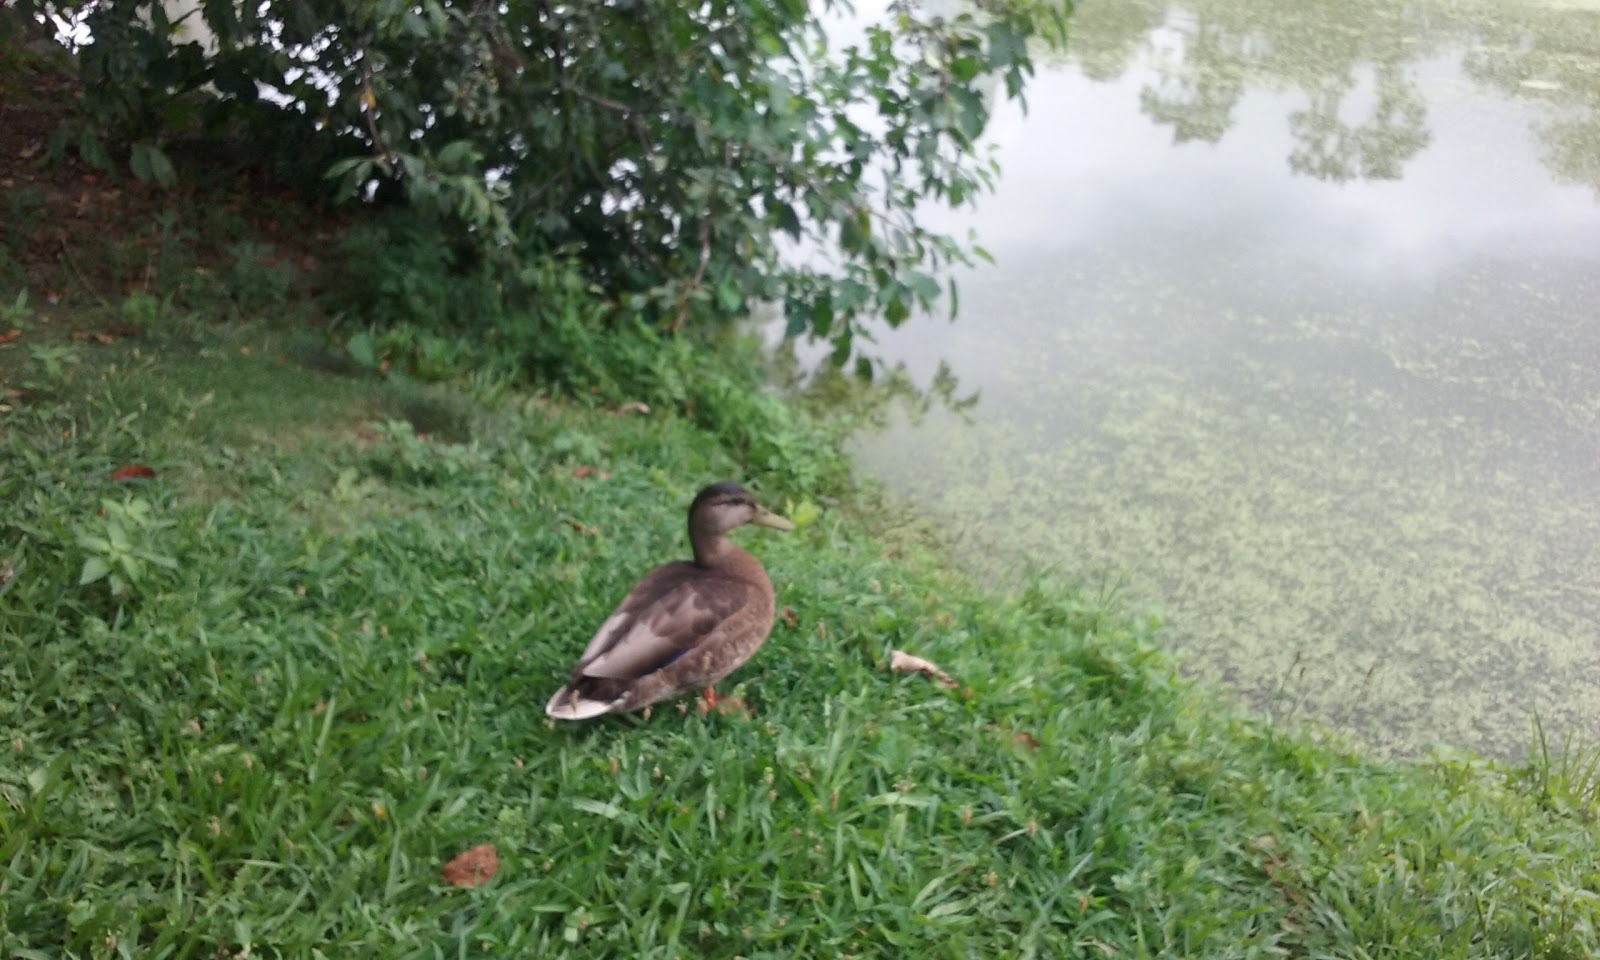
[{"x": 1293, "y": 333}]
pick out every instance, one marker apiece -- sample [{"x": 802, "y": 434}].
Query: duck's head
[{"x": 724, "y": 506}]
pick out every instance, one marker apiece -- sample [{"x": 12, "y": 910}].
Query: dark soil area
[{"x": 70, "y": 231}]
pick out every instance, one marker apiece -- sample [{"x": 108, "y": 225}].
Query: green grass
[{"x": 324, "y": 675}]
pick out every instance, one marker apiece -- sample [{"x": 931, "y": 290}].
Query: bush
[{"x": 683, "y": 152}]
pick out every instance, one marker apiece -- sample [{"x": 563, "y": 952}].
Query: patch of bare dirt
[{"x": 81, "y": 233}]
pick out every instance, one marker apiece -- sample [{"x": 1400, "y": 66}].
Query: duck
[{"x": 687, "y": 624}]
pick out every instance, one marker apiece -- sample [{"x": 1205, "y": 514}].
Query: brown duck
[{"x": 686, "y": 625}]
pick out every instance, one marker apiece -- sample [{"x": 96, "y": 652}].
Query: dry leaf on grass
[
  {"x": 133, "y": 471},
  {"x": 580, "y": 527},
  {"x": 899, "y": 660},
  {"x": 472, "y": 868}
]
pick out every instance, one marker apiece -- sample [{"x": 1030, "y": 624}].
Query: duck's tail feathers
[{"x": 571, "y": 704}]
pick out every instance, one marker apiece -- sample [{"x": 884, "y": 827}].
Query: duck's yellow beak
[{"x": 766, "y": 518}]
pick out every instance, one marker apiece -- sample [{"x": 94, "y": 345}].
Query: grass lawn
[{"x": 310, "y": 666}]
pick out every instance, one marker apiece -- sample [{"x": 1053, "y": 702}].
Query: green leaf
[
  {"x": 896, "y": 311},
  {"x": 139, "y": 162},
  {"x": 236, "y": 83},
  {"x": 92, "y": 152},
  {"x": 802, "y": 513},
  {"x": 347, "y": 166},
  {"x": 132, "y": 567},
  {"x": 1006, "y": 47},
  {"x": 363, "y": 349},
  {"x": 150, "y": 164},
  {"x": 94, "y": 568},
  {"x": 925, "y": 288},
  {"x": 797, "y": 323},
  {"x": 842, "y": 343},
  {"x": 851, "y": 236},
  {"x": 161, "y": 167},
  {"x": 456, "y": 154},
  {"x": 973, "y": 116},
  {"x": 94, "y": 544},
  {"x": 821, "y": 315},
  {"x": 608, "y": 810},
  {"x": 784, "y": 217}
]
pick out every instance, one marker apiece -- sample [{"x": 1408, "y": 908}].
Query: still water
[{"x": 1295, "y": 336}]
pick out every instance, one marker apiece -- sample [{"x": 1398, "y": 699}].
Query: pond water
[{"x": 1295, "y": 336}]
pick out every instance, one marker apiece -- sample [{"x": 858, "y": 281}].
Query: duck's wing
[{"x": 667, "y": 614}]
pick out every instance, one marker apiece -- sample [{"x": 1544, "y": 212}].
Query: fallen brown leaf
[
  {"x": 10, "y": 335},
  {"x": 1023, "y": 738},
  {"x": 133, "y": 471},
  {"x": 473, "y": 867},
  {"x": 634, "y": 407},
  {"x": 899, "y": 660},
  {"x": 580, "y": 527},
  {"x": 788, "y": 615},
  {"x": 107, "y": 336}
]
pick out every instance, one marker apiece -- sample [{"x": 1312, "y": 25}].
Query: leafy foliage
[
  {"x": 116, "y": 548},
  {"x": 696, "y": 158}
]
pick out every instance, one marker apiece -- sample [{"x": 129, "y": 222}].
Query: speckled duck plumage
[{"x": 687, "y": 624}]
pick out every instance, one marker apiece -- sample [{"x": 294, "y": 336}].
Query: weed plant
[{"x": 323, "y": 676}]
